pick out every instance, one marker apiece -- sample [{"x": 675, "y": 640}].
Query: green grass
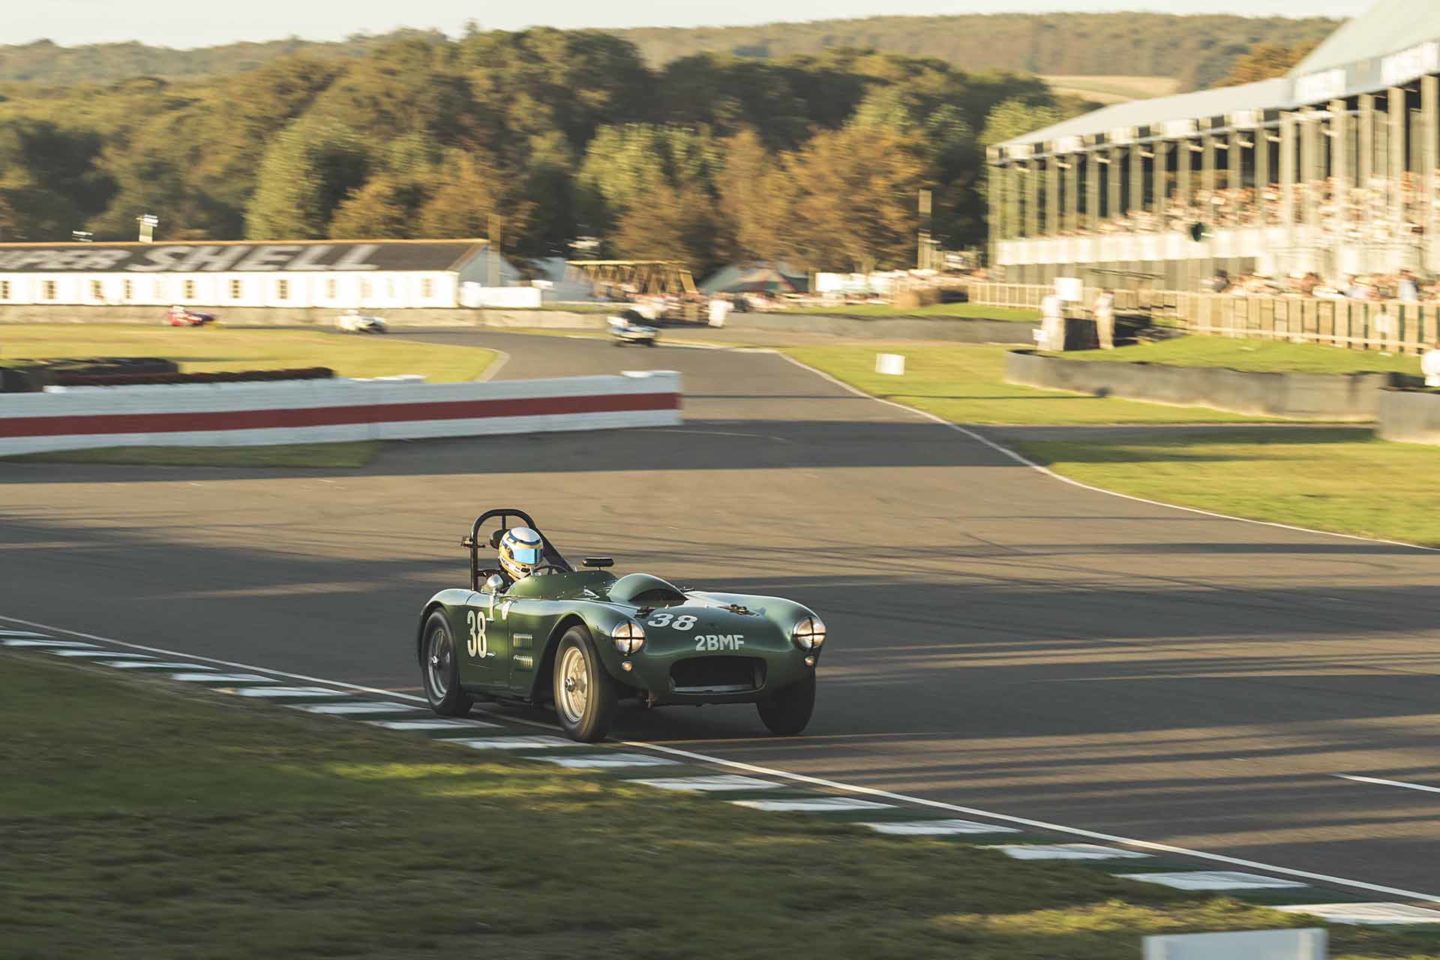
[
  {"x": 973, "y": 311},
  {"x": 147, "y": 821},
  {"x": 208, "y": 349},
  {"x": 965, "y": 384},
  {"x": 354, "y": 454},
  {"x": 1107, "y": 89},
  {"x": 1255, "y": 356},
  {"x": 1320, "y": 478},
  {"x": 1329, "y": 479}
]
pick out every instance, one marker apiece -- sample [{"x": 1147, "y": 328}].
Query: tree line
[
  {"x": 547, "y": 135},
  {"x": 1196, "y": 50}
]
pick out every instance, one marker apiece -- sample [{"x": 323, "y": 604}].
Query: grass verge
[
  {"x": 1253, "y": 356},
  {"x": 970, "y": 311},
  {"x": 209, "y": 349},
  {"x": 1328, "y": 479},
  {"x": 966, "y": 384},
  {"x": 337, "y": 455},
  {"x": 1324, "y": 479},
  {"x": 172, "y": 823}
]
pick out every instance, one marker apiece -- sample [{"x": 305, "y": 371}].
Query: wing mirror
[
  {"x": 599, "y": 563},
  {"x": 495, "y": 584}
]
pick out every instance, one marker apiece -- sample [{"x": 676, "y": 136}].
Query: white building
[{"x": 328, "y": 274}]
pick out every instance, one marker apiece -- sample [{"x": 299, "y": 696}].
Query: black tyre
[
  {"x": 585, "y": 694},
  {"x": 787, "y": 711},
  {"x": 440, "y": 669},
  {"x": 649, "y": 343}
]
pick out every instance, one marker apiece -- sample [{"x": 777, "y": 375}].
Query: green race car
[{"x": 586, "y": 639}]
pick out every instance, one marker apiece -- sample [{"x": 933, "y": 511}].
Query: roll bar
[{"x": 504, "y": 515}]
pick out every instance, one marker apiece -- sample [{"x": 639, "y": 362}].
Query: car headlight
[
  {"x": 809, "y": 633},
  {"x": 629, "y": 637}
]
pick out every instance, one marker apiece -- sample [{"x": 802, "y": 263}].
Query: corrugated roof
[
  {"x": 1390, "y": 26},
  {"x": 1264, "y": 95}
]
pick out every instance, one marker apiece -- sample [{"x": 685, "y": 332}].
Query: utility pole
[
  {"x": 927, "y": 223},
  {"x": 497, "y": 223}
]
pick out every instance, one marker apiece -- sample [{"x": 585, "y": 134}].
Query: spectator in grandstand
[
  {"x": 1219, "y": 283},
  {"x": 1407, "y": 288},
  {"x": 1105, "y": 319}
]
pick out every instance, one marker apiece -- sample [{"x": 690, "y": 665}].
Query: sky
[{"x": 193, "y": 23}]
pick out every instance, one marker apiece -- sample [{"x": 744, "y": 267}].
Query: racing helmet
[{"x": 520, "y": 552}]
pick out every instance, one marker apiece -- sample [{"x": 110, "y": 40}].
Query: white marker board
[{"x": 1259, "y": 945}]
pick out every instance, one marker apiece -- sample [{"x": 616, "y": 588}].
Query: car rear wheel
[
  {"x": 787, "y": 711},
  {"x": 440, "y": 669},
  {"x": 585, "y": 694}
]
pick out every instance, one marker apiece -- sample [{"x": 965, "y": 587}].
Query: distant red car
[{"x": 185, "y": 317}]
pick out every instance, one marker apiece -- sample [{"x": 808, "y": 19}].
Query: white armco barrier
[{"x": 327, "y": 411}]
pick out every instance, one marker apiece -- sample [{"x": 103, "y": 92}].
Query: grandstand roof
[
  {"x": 1266, "y": 94},
  {"x": 1375, "y": 50},
  {"x": 1389, "y": 26}
]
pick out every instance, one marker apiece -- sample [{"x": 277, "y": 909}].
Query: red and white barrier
[{"x": 321, "y": 411}]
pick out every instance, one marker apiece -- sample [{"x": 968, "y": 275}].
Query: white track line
[
  {"x": 224, "y": 663},
  {"x": 1038, "y": 824},
  {"x": 1022, "y": 459},
  {"x": 813, "y": 781},
  {"x": 1389, "y": 783},
  {"x": 501, "y": 358}
]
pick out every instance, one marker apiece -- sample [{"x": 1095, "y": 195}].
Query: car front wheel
[
  {"x": 440, "y": 669},
  {"x": 787, "y": 711},
  {"x": 585, "y": 694}
]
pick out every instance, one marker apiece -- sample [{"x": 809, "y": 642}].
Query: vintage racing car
[
  {"x": 587, "y": 639},
  {"x": 361, "y": 323},
  {"x": 178, "y": 316},
  {"x": 631, "y": 327}
]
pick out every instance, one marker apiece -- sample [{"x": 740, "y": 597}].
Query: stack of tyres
[{"x": 34, "y": 376}]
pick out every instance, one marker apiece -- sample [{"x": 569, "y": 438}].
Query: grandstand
[{"x": 1330, "y": 169}]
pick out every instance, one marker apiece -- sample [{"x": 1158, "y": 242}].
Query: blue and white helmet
[{"x": 520, "y": 552}]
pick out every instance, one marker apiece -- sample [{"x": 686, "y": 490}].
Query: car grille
[{"x": 718, "y": 675}]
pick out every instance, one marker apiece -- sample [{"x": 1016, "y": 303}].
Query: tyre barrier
[
  {"x": 35, "y": 376},
  {"x": 168, "y": 379},
  {"x": 330, "y": 411},
  {"x": 1300, "y": 396}
]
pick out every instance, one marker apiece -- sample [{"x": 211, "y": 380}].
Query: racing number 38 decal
[
  {"x": 476, "y": 645},
  {"x": 664, "y": 620}
]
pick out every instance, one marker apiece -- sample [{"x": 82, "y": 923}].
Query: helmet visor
[{"x": 526, "y": 555}]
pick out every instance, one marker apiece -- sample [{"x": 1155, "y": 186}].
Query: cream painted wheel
[
  {"x": 574, "y": 685},
  {"x": 585, "y": 694}
]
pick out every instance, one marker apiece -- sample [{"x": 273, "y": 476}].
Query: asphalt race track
[{"x": 998, "y": 639}]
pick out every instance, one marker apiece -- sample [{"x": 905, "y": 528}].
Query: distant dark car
[{"x": 179, "y": 316}]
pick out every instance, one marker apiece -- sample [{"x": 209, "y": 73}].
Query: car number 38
[
  {"x": 685, "y": 622},
  {"x": 476, "y": 645}
]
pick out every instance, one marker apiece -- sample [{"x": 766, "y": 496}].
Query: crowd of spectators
[
  {"x": 1404, "y": 286},
  {"x": 1371, "y": 213}
]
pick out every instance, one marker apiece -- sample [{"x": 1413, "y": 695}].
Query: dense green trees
[
  {"x": 1197, "y": 50},
  {"x": 545, "y": 134}
]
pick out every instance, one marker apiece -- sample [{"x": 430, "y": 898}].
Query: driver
[{"x": 521, "y": 550}]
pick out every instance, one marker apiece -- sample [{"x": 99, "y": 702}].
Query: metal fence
[{"x": 1391, "y": 326}]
